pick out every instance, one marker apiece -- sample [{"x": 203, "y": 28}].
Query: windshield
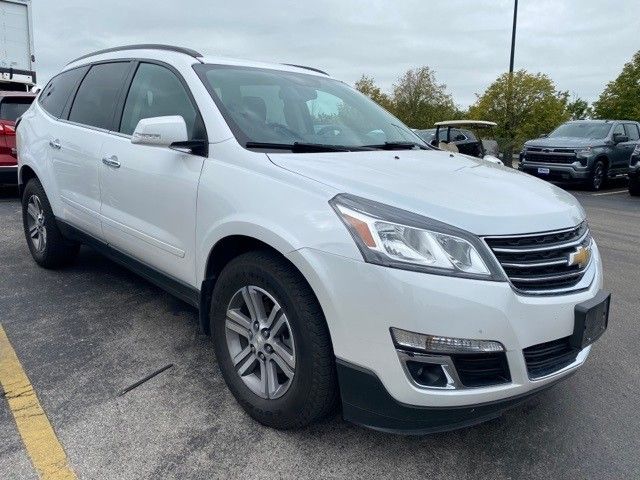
[
  {"x": 263, "y": 106},
  {"x": 582, "y": 130}
]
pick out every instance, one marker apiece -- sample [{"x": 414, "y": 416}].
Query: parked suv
[
  {"x": 12, "y": 105},
  {"x": 332, "y": 253},
  {"x": 585, "y": 151}
]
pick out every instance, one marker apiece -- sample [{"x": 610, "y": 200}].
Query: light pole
[
  {"x": 513, "y": 35},
  {"x": 508, "y": 160}
]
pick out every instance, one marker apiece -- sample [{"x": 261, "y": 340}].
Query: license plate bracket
[{"x": 591, "y": 320}]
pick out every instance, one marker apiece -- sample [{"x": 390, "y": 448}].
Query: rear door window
[
  {"x": 55, "y": 95},
  {"x": 632, "y": 131},
  {"x": 12, "y": 107},
  {"x": 97, "y": 95}
]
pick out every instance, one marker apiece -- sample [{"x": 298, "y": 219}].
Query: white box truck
[{"x": 16, "y": 45}]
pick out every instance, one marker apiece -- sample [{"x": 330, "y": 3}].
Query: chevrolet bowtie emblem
[{"x": 580, "y": 257}]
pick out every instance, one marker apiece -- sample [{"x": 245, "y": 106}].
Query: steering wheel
[
  {"x": 278, "y": 127},
  {"x": 327, "y": 130}
]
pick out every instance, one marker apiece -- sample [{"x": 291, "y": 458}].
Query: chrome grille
[
  {"x": 550, "y": 155},
  {"x": 541, "y": 263}
]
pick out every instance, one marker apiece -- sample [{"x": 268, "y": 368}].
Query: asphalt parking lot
[{"x": 85, "y": 333}]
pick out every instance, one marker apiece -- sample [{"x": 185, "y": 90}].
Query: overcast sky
[{"x": 581, "y": 44}]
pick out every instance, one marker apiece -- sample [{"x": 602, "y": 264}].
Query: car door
[
  {"x": 621, "y": 150},
  {"x": 77, "y": 143},
  {"x": 49, "y": 129},
  {"x": 149, "y": 193}
]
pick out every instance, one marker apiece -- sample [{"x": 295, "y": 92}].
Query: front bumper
[
  {"x": 574, "y": 172},
  {"x": 362, "y": 302},
  {"x": 9, "y": 175},
  {"x": 366, "y": 402}
]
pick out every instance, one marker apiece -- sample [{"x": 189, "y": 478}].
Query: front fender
[{"x": 273, "y": 235}]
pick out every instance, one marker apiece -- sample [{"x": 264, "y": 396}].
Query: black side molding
[{"x": 172, "y": 285}]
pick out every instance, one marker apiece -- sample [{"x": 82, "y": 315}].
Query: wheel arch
[
  {"x": 224, "y": 251},
  {"x": 25, "y": 174},
  {"x": 604, "y": 158}
]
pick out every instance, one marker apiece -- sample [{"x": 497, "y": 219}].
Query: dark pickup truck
[{"x": 585, "y": 151}]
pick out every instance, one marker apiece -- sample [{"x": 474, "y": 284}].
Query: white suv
[{"x": 333, "y": 255}]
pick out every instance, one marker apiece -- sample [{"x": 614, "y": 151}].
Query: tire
[
  {"x": 311, "y": 393},
  {"x": 598, "y": 176},
  {"x": 47, "y": 245},
  {"x": 634, "y": 187}
]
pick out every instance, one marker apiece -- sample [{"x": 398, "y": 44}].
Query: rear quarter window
[{"x": 55, "y": 95}]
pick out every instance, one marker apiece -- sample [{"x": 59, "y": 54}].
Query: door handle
[
  {"x": 111, "y": 161},
  {"x": 55, "y": 144}
]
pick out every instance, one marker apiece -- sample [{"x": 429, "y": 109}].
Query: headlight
[
  {"x": 583, "y": 152},
  {"x": 396, "y": 238},
  {"x": 636, "y": 151}
]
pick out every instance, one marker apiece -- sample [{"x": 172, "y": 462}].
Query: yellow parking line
[{"x": 43, "y": 447}]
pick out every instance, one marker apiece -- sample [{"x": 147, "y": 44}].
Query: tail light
[
  {"x": 7, "y": 129},
  {"x": 7, "y": 137}
]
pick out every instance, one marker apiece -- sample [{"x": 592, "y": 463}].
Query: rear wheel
[
  {"x": 47, "y": 245},
  {"x": 598, "y": 176},
  {"x": 634, "y": 186},
  {"x": 272, "y": 342}
]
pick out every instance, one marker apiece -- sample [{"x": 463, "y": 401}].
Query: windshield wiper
[
  {"x": 399, "y": 146},
  {"x": 300, "y": 147}
]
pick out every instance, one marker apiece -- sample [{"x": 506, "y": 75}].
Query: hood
[
  {"x": 478, "y": 196},
  {"x": 564, "y": 142}
]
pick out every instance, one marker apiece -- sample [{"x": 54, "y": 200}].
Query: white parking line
[{"x": 608, "y": 193}]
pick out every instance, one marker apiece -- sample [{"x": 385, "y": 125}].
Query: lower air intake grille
[
  {"x": 479, "y": 370},
  {"x": 546, "y": 358}
]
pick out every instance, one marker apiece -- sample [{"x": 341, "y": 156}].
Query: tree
[
  {"x": 537, "y": 107},
  {"x": 579, "y": 109},
  {"x": 619, "y": 100},
  {"x": 367, "y": 86},
  {"x": 419, "y": 101}
]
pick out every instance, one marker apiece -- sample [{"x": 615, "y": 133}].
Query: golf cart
[{"x": 451, "y": 136}]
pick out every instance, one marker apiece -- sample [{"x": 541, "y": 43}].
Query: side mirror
[
  {"x": 619, "y": 138},
  {"x": 160, "y": 131},
  {"x": 459, "y": 138},
  {"x": 544, "y": 135}
]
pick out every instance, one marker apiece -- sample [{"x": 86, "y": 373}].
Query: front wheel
[
  {"x": 272, "y": 342},
  {"x": 598, "y": 176},
  {"x": 47, "y": 245}
]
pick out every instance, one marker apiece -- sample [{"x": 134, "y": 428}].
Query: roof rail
[
  {"x": 307, "y": 68},
  {"x": 142, "y": 46}
]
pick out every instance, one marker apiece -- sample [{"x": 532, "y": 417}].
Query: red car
[{"x": 12, "y": 105}]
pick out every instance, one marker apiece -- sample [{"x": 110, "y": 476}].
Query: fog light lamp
[{"x": 446, "y": 345}]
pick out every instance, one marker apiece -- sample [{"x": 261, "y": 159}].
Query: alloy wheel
[
  {"x": 260, "y": 342},
  {"x": 598, "y": 176},
  {"x": 36, "y": 224}
]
